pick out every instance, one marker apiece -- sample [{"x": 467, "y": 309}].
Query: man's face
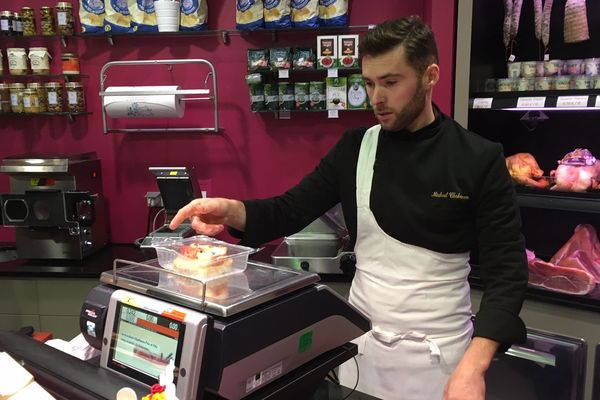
[{"x": 396, "y": 90}]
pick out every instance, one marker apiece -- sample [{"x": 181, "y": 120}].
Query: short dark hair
[{"x": 410, "y": 32}]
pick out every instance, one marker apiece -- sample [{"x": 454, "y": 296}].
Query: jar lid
[
  {"x": 53, "y": 84},
  {"x": 4, "y": 85},
  {"x": 30, "y": 91},
  {"x": 69, "y": 55},
  {"x": 15, "y": 49},
  {"x": 38, "y": 49},
  {"x": 35, "y": 85},
  {"x": 26, "y": 9},
  {"x": 17, "y": 86},
  {"x": 45, "y": 8},
  {"x": 16, "y": 15},
  {"x": 6, "y": 14},
  {"x": 64, "y": 4},
  {"x": 73, "y": 85}
]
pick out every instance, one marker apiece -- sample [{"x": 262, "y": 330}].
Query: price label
[
  {"x": 531, "y": 102},
  {"x": 598, "y": 101},
  {"x": 332, "y": 73},
  {"x": 72, "y": 97},
  {"x": 284, "y": 73},
  {"x": 62, "y": 18},
  {"x": 512, "y": 58},
  {"x": 573, "y": 101},
  {"x": 483, "y": 102},
  {"x": 332, "y": 114}
]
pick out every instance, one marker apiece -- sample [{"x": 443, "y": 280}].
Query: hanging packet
[
  {"x": 277, "y": 14},
  {"x": 249, "y": 15},
  {"x": 333, "y": 12},
  {"x": 117, "y": 19},
  {"x": 194, "y": 15},
  {"x": 305, "y": 13},
  {"x": 91, "y": 16},
  {"x": 143, "y": 16}
]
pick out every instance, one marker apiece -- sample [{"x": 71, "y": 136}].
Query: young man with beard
[{"x": 418, "y": 193}]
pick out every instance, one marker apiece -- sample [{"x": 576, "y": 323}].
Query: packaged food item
[
  {"x": 41, "y": 94},
  {"x": 327, "y": 52},
  {"x": 258, "y": 59},
  {"x": 277, "y": 14},
  {"x": 316, "y": 95},
  {"x": 6, "y": 23},
  {"x": 5, "y": 98},
  {"x": 562, "y": 82},
  {"x": 193, "y": 16},
  {"x": 55, "y": 97},
  {"x": 16, "y": 97},
  {"x": 257, "y": 97},
  {"x": 40, "y": 60},
  {"x": 91, "y": 16},
  {"x": 333, "y": 12},
  {"x": 528, "y": 69},
  {"x": 47, "y": 20},
  {"x": 253, "y": 78},
  {"x": 70, "y": 64},
  {"x": 280, "y": 58},
  {"x": 575, "y": 67},
  {"x": 143, "y": 16},
  {"x": 271, "y": 96},
  {"x": 286, "y": 96},
  {"x": 524, "y": 84},
  {"x": 303, "y": 58},
  {"x": 505, "y": 85},
  {"x": 28, "y": 17},
  {"x": 581, "y": 82},
  {"x": 592, "y": 66},
  {"x": 357, "y": 92},
  {"x": 490, "y": 85},
  {"x": 75, "y": 97},
  {"x": 336, "y": 89},
  {"x": 31, "y": 101},
  {"x": 301, "y": 96},
  {"x": 117, "y": 19},
  {"x": 65, "y": 22},
  {"x": 17, "y": 24},
  {"x": 249, "y": 15},
  {"x": 17, "y": 61},
  {"x": 305, "y": 13},
  {"x": 553, "y": 67},
  {"x": 513, "y": 69},
  {"x": 348, "y": 51},
  {"x": 544, "y": 83}
]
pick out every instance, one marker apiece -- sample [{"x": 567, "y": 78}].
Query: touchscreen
[{"x": 144, "y": 342}]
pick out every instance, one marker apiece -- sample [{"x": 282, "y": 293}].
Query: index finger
[{"x": 186, "y": 212}]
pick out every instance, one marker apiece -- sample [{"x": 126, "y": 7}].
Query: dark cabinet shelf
[
  {"x": 563, "y": 201},
  {"x": 66, "y": 77},
  {"x": 63, "y": 38}
]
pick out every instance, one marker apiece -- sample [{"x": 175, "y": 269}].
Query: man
[{"x": 418, "y": 193}]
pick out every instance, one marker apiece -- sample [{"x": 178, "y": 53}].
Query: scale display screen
[{"x": 143, "y": 343}]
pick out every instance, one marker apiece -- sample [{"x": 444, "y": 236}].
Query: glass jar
[
  {"x": 16, "y": 97},
  {"x": 64, "y": 18},
  {"x": 40, "y": 60},
  {"x": 31, "y": 101},
  {"x": 28, "y": 17},
  {"x": 5, "y": 98},
  {"x": 54, "y": 91},
  {"x": 17, "y": 61},
  {"x": 47, "y": 21},
  {"x": 1, "y": 63},
  {"x": 75, "y": 97},
  {"x": 70, "y": 63},
  {"x": 17, "y": 24},
  {"x": 6, "y": 23},
  {"x": 42, "y": 95}
]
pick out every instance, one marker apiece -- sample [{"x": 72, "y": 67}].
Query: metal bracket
[{"x": 225, "y": 37}]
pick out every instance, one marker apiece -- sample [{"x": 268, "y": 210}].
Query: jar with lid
[
  {"x": 42, "y": 95},
  {"x": 17, "y": 61},
  {"x": 70, "y": 63},
  {"x": 31, "y": 101},
  {"x": 1, "y": 67},
  {"x": 47, "y": 21},
  {"x": 17, "y": 24},
  {"x": 16, "y": 97},
  {"x": 40, "y": 60},
  {"x": 6, "y": 23},
  {"x": 5, "y": 98},
  {"x": 64, "y": 18},
  {"x": 28, "y": 17},
  {"x": 75, "y": 97},
  {"x": 54, "y": 91}
]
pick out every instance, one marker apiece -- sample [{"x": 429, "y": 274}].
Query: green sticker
[{"x": 305, "y": 342}]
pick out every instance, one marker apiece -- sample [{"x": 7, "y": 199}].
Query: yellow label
[
  {"x": 173, "y": 173},
  {"x": 34, "y": 182}
]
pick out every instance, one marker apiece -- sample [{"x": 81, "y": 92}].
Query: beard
[{"x": 406, "y": 116}]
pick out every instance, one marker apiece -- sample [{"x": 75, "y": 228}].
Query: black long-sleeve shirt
[{"x": 442, "y": 188}]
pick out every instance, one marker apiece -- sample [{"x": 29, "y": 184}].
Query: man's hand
[
  {"x": 209, "y": 216},
  {"x": 467, "y": 381}
]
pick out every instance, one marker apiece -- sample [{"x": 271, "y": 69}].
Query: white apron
[{"x": 418, "y": 302}]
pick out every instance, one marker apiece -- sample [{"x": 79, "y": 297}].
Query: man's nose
[{"x": 377, "y": 96}]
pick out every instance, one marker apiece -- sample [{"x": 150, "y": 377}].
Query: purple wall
[{"x": 256, "y": 155}]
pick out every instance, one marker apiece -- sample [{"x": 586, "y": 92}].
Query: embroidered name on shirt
[{"x": 449, "y": 195}]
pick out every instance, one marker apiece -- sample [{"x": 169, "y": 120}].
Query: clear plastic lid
[{"x": 201, "y": 257}]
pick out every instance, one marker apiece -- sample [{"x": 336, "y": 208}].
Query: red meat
[{"x": 561, "y": 279}]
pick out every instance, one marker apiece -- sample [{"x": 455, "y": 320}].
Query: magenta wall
[{"x": 256, "y": 155}]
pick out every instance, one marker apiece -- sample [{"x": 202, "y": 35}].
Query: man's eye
[
  {"x": 369, "y": 84},
  {"x": 390, "y": 83}
]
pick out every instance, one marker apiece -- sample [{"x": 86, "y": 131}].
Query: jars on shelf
[
  {"x": 31, "y": 101},
  {"x": 6, "y": 23},
  {"x": 54, "y": 92},
  {"x": 17, "y": 61},
  {"x": 64, "y": 18},
  {"x": 17, "y": 24},
  {"x": 47, "y": 21},
  {"x": 75, "y": 97},
  {"x": 40, "y": 60},
  {"x": 28, "y": 17},
  {"x": 5, "y": 98},
  {"x": 1, "y": 64},
  {"x": 41, "y": 94},
  {"x": 16, "y": 97},
  {"x": 70, "y": 63}
]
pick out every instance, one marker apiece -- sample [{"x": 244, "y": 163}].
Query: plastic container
[{"x": 202, "y": 257}]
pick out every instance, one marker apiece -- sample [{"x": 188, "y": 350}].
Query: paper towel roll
[{"x": 143, "y": 106}]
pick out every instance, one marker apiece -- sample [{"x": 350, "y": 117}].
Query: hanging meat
[
  {"x": 546, "y": 14},
  {"x": 524, "y": 170},
  {"x": 578, "y": 171},
  {"x": 576, "y": 23},
  {"x": 574, "y": 269}
]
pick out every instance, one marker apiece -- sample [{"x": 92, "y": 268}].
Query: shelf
[
  {"x": 311, "y": 71},
  {"x": 287, "y": 114},
  {"x": 71, "y": 115},
  {"x": 563, "y": 201},
  {"x": 51, "y": 76},
  {"x": 558, "y": 100},
  {"x": 63, "y": 38}
]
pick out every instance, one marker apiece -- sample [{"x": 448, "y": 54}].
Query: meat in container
[{"x": 202, "y": 257}]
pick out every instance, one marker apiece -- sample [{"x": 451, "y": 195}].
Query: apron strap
[{"x": 390, "y": 338}]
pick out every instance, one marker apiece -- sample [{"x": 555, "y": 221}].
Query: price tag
[
  {"x": 284, "y": 73},
  {"x": 546, "y": 57},
  {"x": 573, "y": 101},
  {"x": 511, "y": 58},
  {"x": 531, "y": 102},
  {"x": 72, "y": 97},
  {"x": 332, "y": 73},
  {"x": 332, "y": 114},
  {"x": 483, "y": 102},
  {"x": 62, "y": 18},
  {"x": 598, "y": 101}
]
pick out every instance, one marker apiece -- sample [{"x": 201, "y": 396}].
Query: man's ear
[{"x": 432, "y": 75}]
